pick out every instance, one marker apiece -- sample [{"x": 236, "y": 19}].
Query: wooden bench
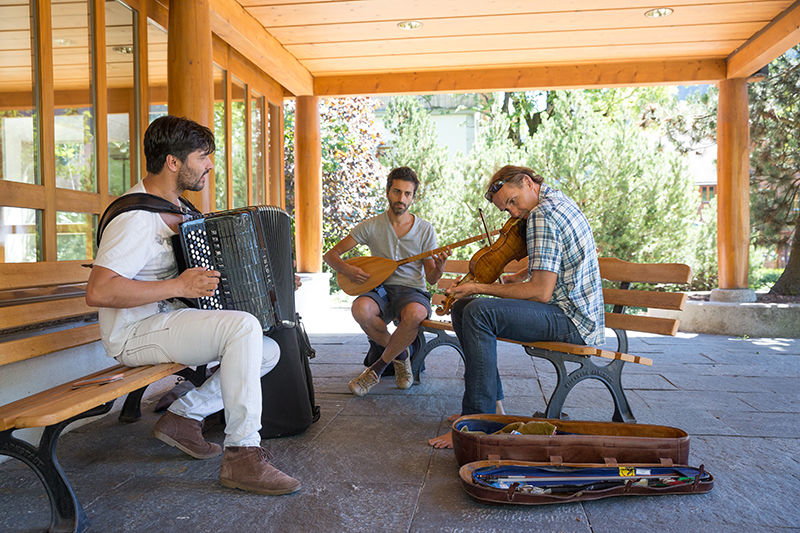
[
  {"x": 622, "y": 297},
  {"x": 42, "y": 311}
]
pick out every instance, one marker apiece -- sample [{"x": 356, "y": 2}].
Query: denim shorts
[{"x": 393, "y": 298}]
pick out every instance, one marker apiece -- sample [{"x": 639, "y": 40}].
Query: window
[
  {"x": 121, "y": 46},
  {"x": 257, "y": 149},
  {"x": 75, "y": 235},
  {"x": 20, "y": 235},
  {"x": 72, "y": 83},
  {"x": 239, "y": 142},
  {"x": 18, "y": 113},
  {"x": 220, "y": 137}
]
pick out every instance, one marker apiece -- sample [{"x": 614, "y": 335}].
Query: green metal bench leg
[
  {"x": 441, "y": 339},
  {"x": 610, "y": 375},
  {"x": 66, "y": 512}
]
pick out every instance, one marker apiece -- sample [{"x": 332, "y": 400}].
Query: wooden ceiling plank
[
  {"x": 705, "y": 32},
  {"x": 519, "y": 58},
  {"x": 780, "y": 35},
  {"x": 544, "y": 77},
  {"x": 348, "y": 11},
  {"x": 238, "y": 28},
  {"x": 504, "y": 24}
]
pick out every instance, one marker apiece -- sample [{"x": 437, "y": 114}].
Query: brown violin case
[
  {"x": 573, "y": 441},
  {"x": 503, "y": 458}
]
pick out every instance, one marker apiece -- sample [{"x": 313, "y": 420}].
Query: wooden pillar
[
  {"x": 308, "y": 185},
  {"x": 189, "y": 71},
  {"x": 733, "y": 184}
]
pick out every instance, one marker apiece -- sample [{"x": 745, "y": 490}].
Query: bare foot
[
  {"x": 453, "y": 418},
  {"x": 442, "y": 441}
]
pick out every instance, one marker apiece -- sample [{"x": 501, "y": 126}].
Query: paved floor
[{"x": 365, "y": 465}]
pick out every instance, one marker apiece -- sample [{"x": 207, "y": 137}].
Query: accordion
[{"x": 251, "y": 247}]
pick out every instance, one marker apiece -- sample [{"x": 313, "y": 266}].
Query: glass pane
[
  {"x": 257, "y": 148},
  {"x": 74, "y": 114},
  {"x": 220, "y": 156},
  {"x": 120, "y": 57},
  {"x": 274, "y": 160},
  {"x": 157, "y": 69},
  {"x": 238, "y": 143},
  {"x": 18, "y": 154},
  {"x": 20, "y": 235},
  {"x": 74, "y": 236}
]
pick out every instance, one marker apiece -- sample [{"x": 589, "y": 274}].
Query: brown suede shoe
[
  {"x": 248, "y": 468},
  {"x": 186, "y": 435}
]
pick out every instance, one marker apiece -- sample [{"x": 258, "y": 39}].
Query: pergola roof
[{"x": 356, "y": 46}]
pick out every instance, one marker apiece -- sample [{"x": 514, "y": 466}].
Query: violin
[{"x": 489, "y": 262}]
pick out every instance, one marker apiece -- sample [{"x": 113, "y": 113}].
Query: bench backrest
[
  {"x": 621, "y": 297},
  {"x": 34, "y": 296}
]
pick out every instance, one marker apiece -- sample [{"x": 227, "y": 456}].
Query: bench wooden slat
[
  {"x": 437, "y": 324},
  {"x": 458, "y": 266},
  {"x": 61, "y": 402},
  {"x": 23, "y": 275},
  {"x": 21, "y": 315},
  {"x": 564, "y": 347},
  {"x": 614, "y": 269},
  {"x": 648, "y": 299},
  {"x": 28, "y": 348},
  {"x": 55, "y": 394},
  {"x": 646, "y": 324},
  {"x": 9, "y": 411},
  {"x": 39, "y": 294}
]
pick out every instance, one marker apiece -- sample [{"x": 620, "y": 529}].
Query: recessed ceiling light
[
  {"x": 62, "y": 42},
  {"x": 658, "y": 12},
  {"x": 409, "y": 25},
  {"x": 124, "y": 50}
]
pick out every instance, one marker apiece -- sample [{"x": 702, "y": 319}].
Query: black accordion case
[{"x": 251, "y": 247}]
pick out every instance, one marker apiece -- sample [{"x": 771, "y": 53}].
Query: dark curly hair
[
  {"x": 402, "y": 173},
  {"x": 177, "y": 136}
]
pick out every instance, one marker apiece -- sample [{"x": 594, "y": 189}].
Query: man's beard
[
  {"x": 398, "y": 208},
  {"x": 187, "y": 182}
]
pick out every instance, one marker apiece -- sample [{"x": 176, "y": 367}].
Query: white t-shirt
[
  {"x": 377, "y": 233},
  {"x": 138, "y": 246}
]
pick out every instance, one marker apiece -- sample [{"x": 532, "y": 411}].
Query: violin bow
[{"x": 485, "y": 227}]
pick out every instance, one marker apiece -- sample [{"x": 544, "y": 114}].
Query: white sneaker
[
  {"x": 361, "y": 384},
  {"x": 403, "y": 375}
]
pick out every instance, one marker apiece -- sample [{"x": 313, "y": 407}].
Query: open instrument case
[{"x": 571, "y": 460}]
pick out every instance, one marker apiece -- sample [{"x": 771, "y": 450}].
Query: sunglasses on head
[{"x": 493, "y": 188}]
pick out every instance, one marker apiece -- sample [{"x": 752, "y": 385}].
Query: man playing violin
[
  {"x": 395, "y": 234},
  {"x": 558, "y": 297}
]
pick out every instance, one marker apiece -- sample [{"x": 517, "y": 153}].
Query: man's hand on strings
[
  {"x": 356, "y": 274},
  {"x": 440, "y": 259}
]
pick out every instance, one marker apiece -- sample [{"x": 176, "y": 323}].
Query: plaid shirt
[{"x": 560, "y": 240}]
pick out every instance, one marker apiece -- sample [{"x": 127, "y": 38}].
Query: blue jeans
[{"x": 478, "y": 322}]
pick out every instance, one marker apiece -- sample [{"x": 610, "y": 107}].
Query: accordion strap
[{"x": 142, "y": 201}]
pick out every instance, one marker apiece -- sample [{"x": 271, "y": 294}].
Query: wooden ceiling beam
[
  {"x": 777, "y": 37},
  {"x": 244, "y": 33},
  {"x": 536, "y": 77}
]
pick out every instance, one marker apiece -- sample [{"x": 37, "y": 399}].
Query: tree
[
  {"x": 605, "y": 149},
  {"x": 775, "y": 164},
  {"x": 352, "y": 177},
  {"x": 412, "y": 143}
]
